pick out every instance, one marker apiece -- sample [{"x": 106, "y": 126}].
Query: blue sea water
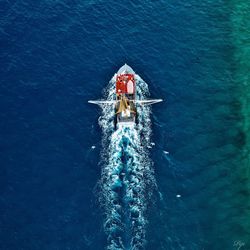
[{"x": 55, "y": 56}]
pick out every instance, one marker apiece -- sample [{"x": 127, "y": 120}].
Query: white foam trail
[{"x": 127, "y": 180}]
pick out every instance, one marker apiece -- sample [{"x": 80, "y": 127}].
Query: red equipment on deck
[{"x": 125, "y": 84}]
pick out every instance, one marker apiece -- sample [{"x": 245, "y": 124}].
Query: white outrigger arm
[
  {"x": 141, "y": 102},
  {"x": 100, "y": 102},
  {"x": 148, "y": 102}
]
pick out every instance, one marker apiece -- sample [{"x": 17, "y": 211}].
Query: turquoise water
[{"x": 57, "y": 55}]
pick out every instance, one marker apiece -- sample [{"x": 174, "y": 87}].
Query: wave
[{"x": 127, "y": 179}]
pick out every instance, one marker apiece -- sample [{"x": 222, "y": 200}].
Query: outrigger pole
[{"x": 141, "y": 102}]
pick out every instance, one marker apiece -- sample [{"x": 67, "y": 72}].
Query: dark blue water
[{"x": 56, "y": 55}]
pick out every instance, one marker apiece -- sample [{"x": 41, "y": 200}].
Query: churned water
[{"x": 189, "y": 157}]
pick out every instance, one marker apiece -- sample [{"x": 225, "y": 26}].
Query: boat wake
[{"x": 127, "y": 180}]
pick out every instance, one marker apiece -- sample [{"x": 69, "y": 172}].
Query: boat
[{"x": 125, "y": 102}]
